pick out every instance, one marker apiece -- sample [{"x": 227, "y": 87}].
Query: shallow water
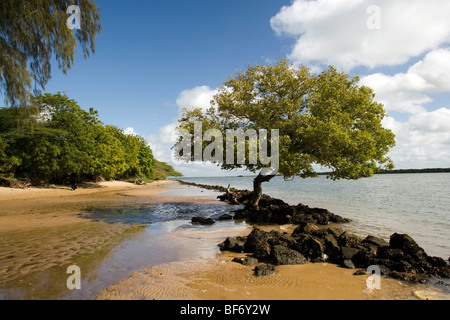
[
  {"x": 113, "y": 242},
  {"x": 416, "y": 204},
  {"x": 128, "y": 239}
]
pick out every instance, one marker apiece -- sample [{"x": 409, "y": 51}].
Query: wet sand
[
  {"x": 42, "y": 231},
  {"x": 220, "y": 278}
]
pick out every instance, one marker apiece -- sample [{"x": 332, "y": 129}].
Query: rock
[
  {"x": 376, "y": 241},
  {"x": 310, "y": 246},
  {"x": 305, "y": 228},
  {"x": 349, "y": 264},
  {"x": 348, "y": 240},
  {"x": 391, "y": 254},
  {"x": 404, "y": 242},
  {"x": 372, "y": 248},
  {"x": 255, "y": 237},
  {"x": 287, "y": 241},
  {"x": 348, "y": 253},
  {"x": 320, "y": 233},
  {"x": 335, "y": 231},
  {"x": 225, "y": 216},
  {"x": 437, "y": 262},
  {"x": 332, "y": 248},
  {"x": 202, "y": 221},
  {"x": 359, "y": 272},
  {"x": 240, "y": 214},
  {"x": 285, "y": 256},
  {"x": 264, "y": 270},
  {"x": 281, "y": 214},
  {"x": 310, "y": 228},
  {"x": 232, "y": 244},
  {"x": 246, "y": 261},
  {"x": 258, "y": 244},
  {"x": 363, "y": 258}
]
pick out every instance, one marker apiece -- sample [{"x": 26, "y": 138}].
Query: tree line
[{"x": 55, "y": 139}]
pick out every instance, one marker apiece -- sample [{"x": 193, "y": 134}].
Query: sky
[{"x": 155, "y": 57}]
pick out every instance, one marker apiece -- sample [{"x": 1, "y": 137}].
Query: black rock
[
  {"x": 310, "y": 246},
  {"x": 348, "y": 253},
  {"x": 404, "y": 242},
  {"x": 347, "y": 239},
  {"x": 246, "y": 261},
  {"x": 264, "y": 270},
  {"x": 225, "y": 216},
  {"x": 285, "y": 256},
  {"x": 391, "y": 254},
  {"x": 258, "y": 244},
  {"x": 359, "y": 272},
  {"x": 202, "y": 221},
  {"x": 375, "y": 241},
  {"x": 349, "y": 264},
  {"x": 335, "y": 231},
  {"x": 364, "y": 258},
  {"x": 332, "y": 249},
  {"x": 232, "y": 244}
]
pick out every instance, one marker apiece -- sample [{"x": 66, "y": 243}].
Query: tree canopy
[
  {"x": 32, "y": 33},
  {"x": 325, "y": 119},
  {"x": 57, "y": 139}
]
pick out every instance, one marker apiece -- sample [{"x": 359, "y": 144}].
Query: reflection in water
[
  {"x": 120, "y": 241},
  {"x": 157, "y": 212},
  {"x": 38, "y": 260}
]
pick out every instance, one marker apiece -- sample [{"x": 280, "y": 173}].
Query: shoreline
[
  {"x": 42, "y": 229},
  {"x": 27, "y": 209}
]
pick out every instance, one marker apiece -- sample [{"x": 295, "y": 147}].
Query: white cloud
[
  {"x": 130, "y": 131},
  {"x": 162, "y": 142},
  {"x": 336, "y": 32},
  {"x": 407, "y": 92},
  {"x": 199, "y": 97},
  {"x": 423, "y": 141}
]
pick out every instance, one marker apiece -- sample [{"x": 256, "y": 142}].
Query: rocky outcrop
[
  {"x": 400, "y": 258},
  {"x": 202, "y": 221},
  {"x": 282, "y": 255},
  {"x": 271, "y": 210},
  {"x": 314, "y": 241}
]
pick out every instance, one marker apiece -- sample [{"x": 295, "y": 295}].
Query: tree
[
  {"x": 324, "y": 119},
  {"x": 32, "y": 32},
  {"x": 56, "y": 139}
]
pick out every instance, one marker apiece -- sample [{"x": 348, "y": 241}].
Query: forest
[{"x": 53, "y": 139}]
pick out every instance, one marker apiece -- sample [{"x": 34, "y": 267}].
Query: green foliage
[
  {"x": 325, "y": 119},
  {"x": 32, "y": 33},
  {"x": 163, "y": 171},
  {"x": 57, "y": 138}
]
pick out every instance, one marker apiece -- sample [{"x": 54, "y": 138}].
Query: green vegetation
[
  {"x": 325, "y": 119},
  {"x": 56, "y": 138},
  {"x": 163, "y": 171},
  {"x": 32, "y": 34}
]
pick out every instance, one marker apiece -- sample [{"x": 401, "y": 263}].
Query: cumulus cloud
[
  {"x": 199, "y": 97},
  {"x": 408, "y": 92},
  {"x": 130, "y": 132},
  {"x": 423, "y": 141},
  {"x": 162, "y": 142},
  {"x": 336, "y": 31}
]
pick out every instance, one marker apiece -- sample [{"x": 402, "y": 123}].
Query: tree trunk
[{"x": 257, "y": 190}]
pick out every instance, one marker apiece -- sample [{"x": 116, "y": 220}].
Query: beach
[{"x": 45, "y": 230}]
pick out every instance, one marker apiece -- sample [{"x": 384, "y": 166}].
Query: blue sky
[
  {"x": 155, "y": 57},
  {"x": 150, "y": 51}
]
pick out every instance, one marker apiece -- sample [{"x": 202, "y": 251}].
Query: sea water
[{"x": 416, "y": 204}]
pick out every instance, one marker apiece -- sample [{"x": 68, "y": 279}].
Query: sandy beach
[{"x": 43, "y": 230}]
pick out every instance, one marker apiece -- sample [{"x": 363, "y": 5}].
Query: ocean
[{"x": 417, "y": 204}]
